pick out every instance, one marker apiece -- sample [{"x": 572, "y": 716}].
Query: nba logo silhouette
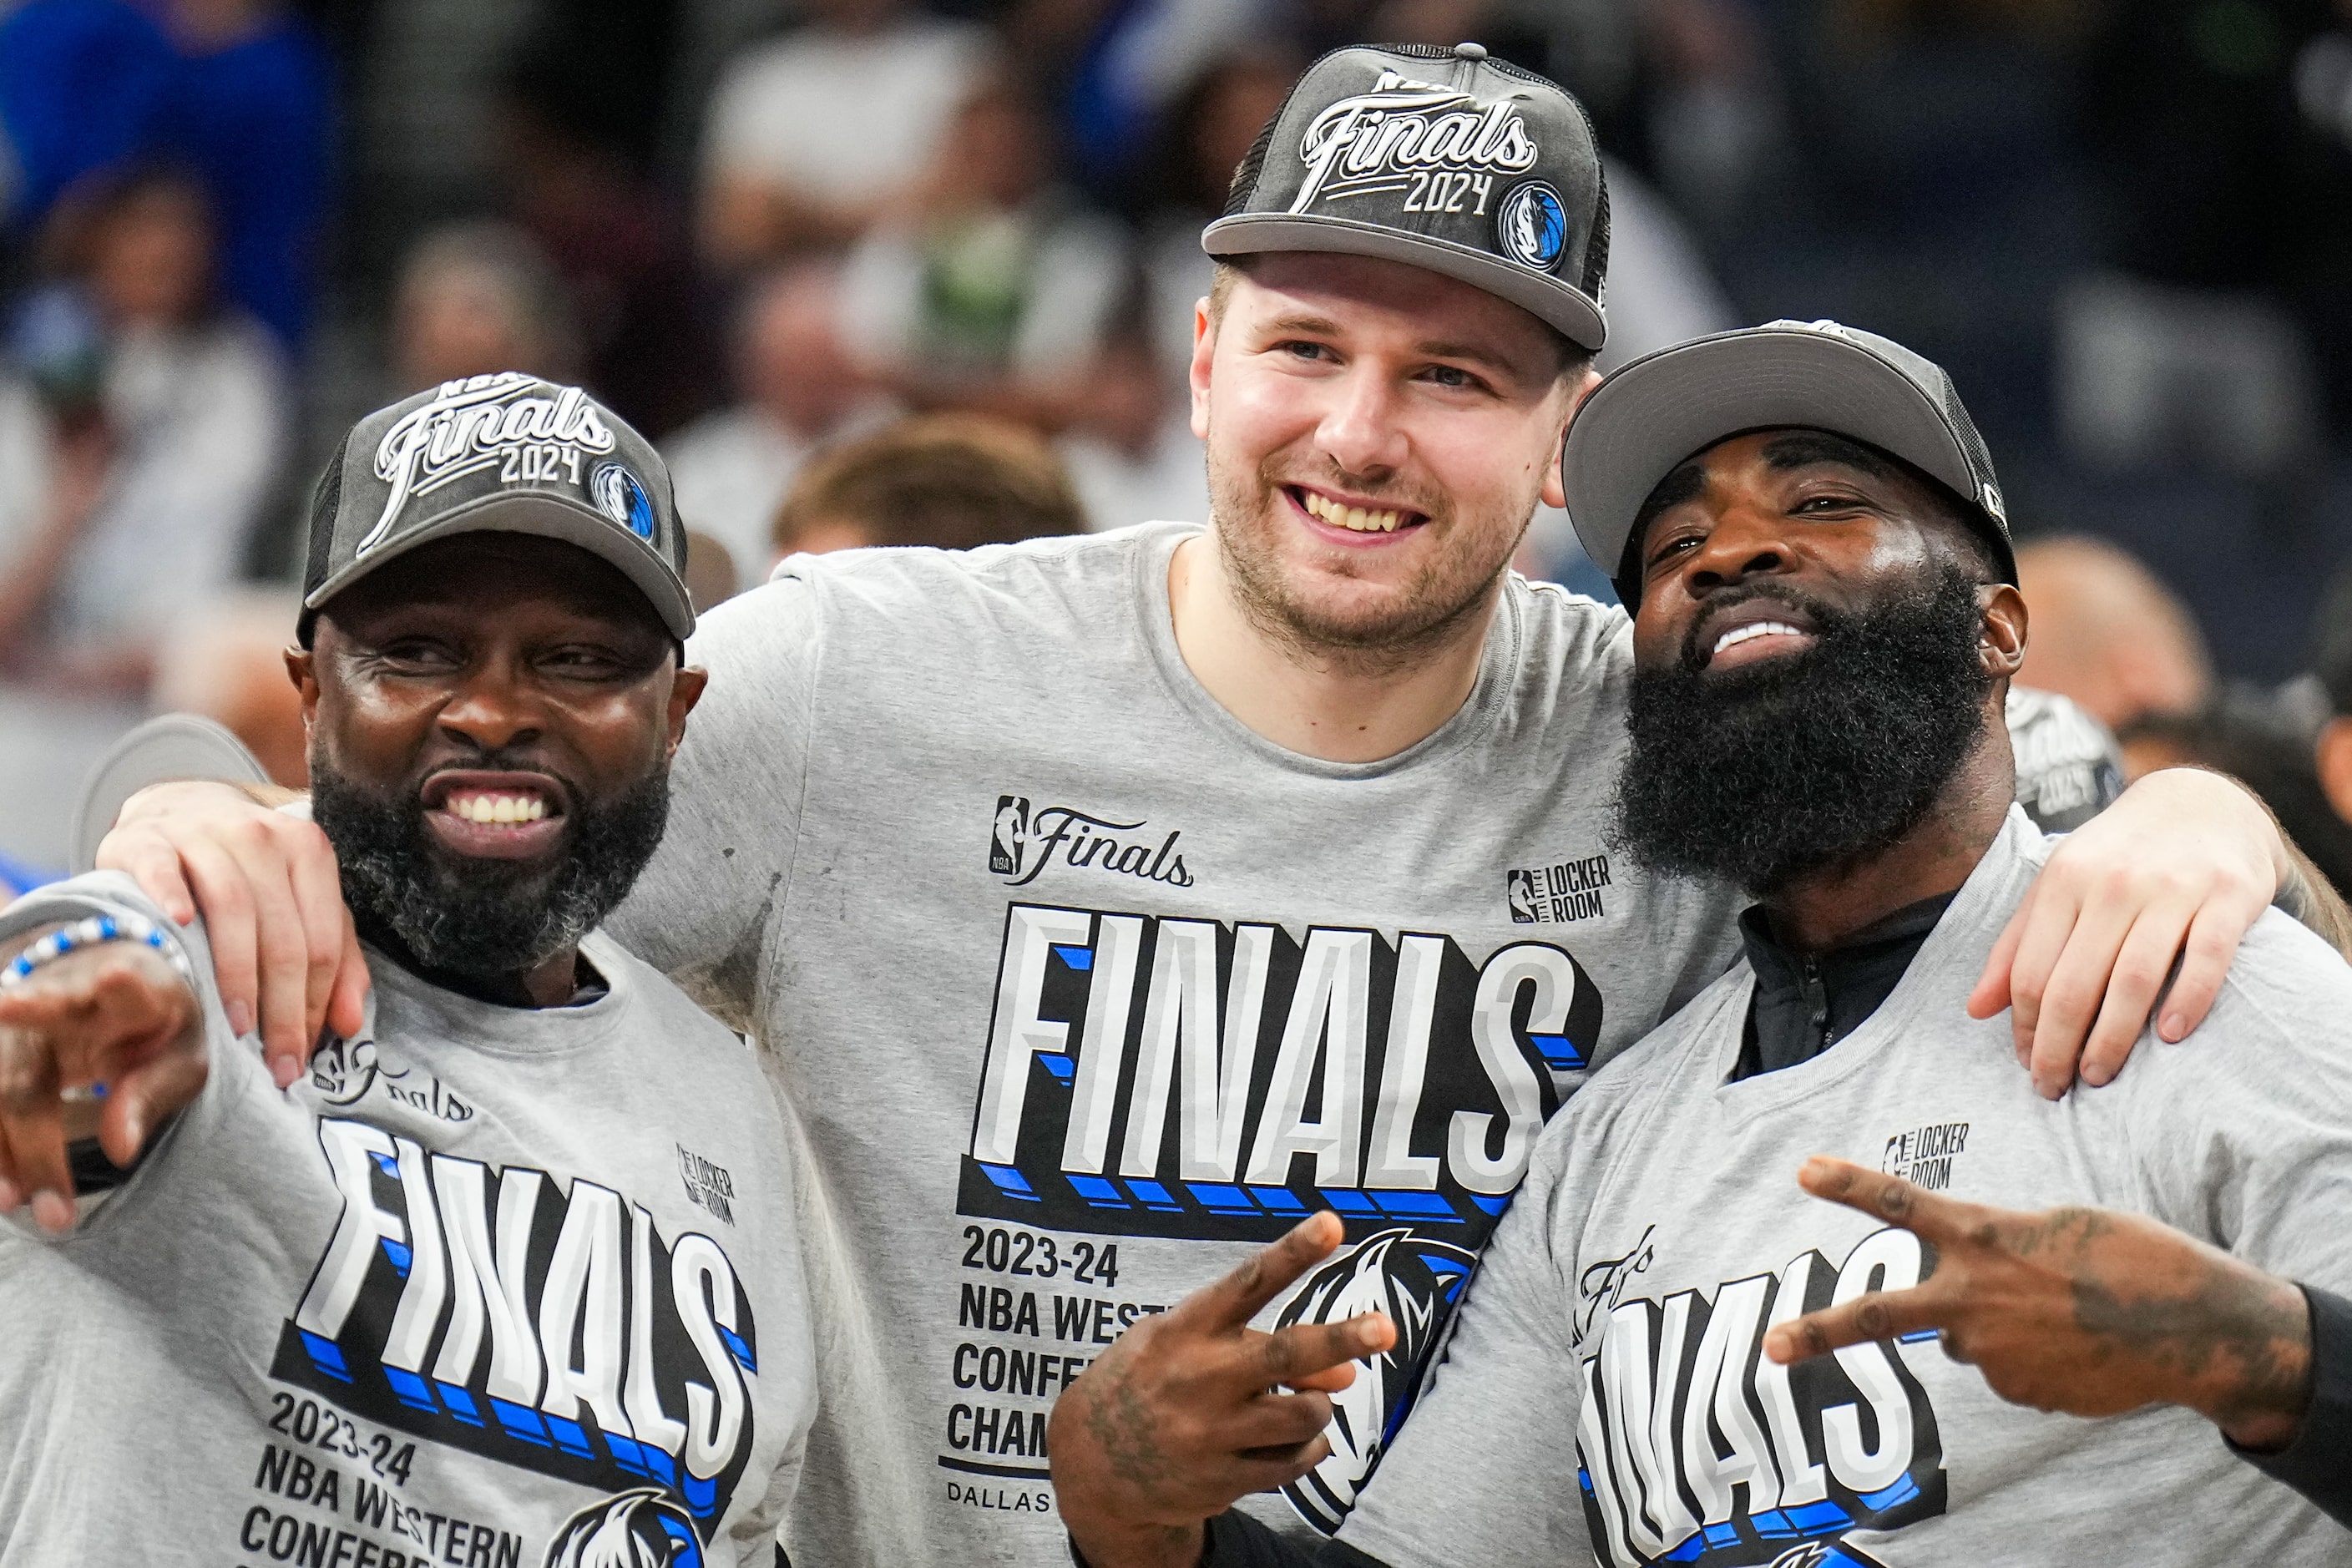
[
  {"x": 1521, "y": 896},
  {"x": 1011, "y": 835}
]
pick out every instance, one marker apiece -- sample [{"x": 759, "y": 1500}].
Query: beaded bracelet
[{"x": 89, "y": 932}]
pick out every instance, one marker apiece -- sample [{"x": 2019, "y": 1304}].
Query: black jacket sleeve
[
  {"x": 2318, "y": 1463},
  {"x": 1237, "y": 1541}
]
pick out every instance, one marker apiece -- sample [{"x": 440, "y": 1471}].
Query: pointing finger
[
  {"x": 1244, "y": 1293},
  {"x": 1306, "y": 1349},
  {"x": 1879, "y": 1315},
  {"x": 1940, "y": 1220}
]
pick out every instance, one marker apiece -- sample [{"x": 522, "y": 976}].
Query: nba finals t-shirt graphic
[
  {"x": 1150, "y": 1076},
  {"x": 498, "y": 1313},
  {"x": 1694, "y": 1448}
]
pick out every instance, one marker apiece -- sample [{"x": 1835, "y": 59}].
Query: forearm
[{"x": 2317, "y": 1460}]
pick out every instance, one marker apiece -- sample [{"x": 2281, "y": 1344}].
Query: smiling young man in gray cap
[
  {"x": 512, "y": 1275},
  {"x": 1103, "y": 905},
  {"x": 1826, "y": 626}
]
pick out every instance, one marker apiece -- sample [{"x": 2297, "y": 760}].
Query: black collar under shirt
[{"x": 1804, "y": 1003}]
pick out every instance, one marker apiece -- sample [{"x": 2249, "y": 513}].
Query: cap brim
[
  {"x": 1565, "y": 308},
  {"x": 1641, "y": 422},
  {"x": 167, "y": 747},
  {"x": 546, "y": 516}
]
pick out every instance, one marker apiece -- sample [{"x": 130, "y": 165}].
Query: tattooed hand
[
  {"x": 1184, "y": 1413},
  {"x": 2082, "y": 1311}
]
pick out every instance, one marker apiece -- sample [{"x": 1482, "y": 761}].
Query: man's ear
[
  {"x": 1554, "y": 489},
  {"x": 2334, "y": 756},
  {"x": 1205, "y": 349},
  {"x": 685, "y": 690},
  {"x": 2001, "y": 639},
  {"x": 301, "y": 669}
]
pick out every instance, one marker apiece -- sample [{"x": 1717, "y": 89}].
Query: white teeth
[
  {"x": 1354, "y": 518},
  {"x": 496, "y": 808},
  {"x": 1753, "y": 630}
]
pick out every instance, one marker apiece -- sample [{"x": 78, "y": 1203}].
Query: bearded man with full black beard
[
  {"x": 516, "y": 1265},
  {"x": 1826, "y": 623}
]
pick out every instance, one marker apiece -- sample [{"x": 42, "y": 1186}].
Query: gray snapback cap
[
  {"x": 166, "y": 747},
  {"x": 1645, "y": 420},
  {"x": 1438, "y": 158},
  {"x": 506, "y": 453}
]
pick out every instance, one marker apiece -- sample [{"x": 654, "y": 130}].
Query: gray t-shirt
[
  {"x": 1078, "y": 988},
  {"x": 495, "y": 1287},
  {"x": 1604, "y": 1399}
]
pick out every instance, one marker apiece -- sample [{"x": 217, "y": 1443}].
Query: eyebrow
[
  {"x": 1476, "y": 353},
  {"x": 1313, "y": 326},
  {"x": 1686, "y": 482},
  {"x": 1325, "y": 327},
  {"x": 1803, "y": 448}
]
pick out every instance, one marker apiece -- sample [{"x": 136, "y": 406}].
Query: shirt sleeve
[
  {"x": 702, "y": 910},
  {"x": 2318, "y": 1464},
  {"x": 1484, "y": 1469},
  {"x": 113, "y": 893},
  {"x": 2246, "y": 1141},
  {"x": 2242, "y": 1132}
]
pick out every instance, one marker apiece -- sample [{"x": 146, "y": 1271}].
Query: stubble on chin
[{"x": 1381, "y": 629}]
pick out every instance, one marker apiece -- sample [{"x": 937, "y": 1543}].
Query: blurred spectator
[
  {"x": 619, "y": 244},
  {"x": 1116, "y": 71},
  {"x": 2228, "y": 172},
  {"x": 1132, "y": 454},
  {"x": 250, "y": 106},
  {"x": 952, "y": 481},
  {"x": 712, "y": 576},
  {"x": 236, "y": 89},
  {"x": 1714, "y": 126},
  {"x": 799, "y": 390},
  {"x": 476, "y": 299},
  {"x": 160, "y": 433},
  {"x": 1661, "y": 291},
  {"x": 2106, "y": 633},
  {"x": 1208, "y": 132},
  {"x": 814, "y": 136},
  {"x": 2332, "y": 747},
  {"x": 80, "y": 84},
  {"x": 995, "y": 290},
  {"x": 226, "y": 662},
  {"x": 2240, "y": 733}
]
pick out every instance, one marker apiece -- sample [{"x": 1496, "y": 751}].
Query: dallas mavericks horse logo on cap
[
  {"x": 1532, "y": 226},
  {"x": 618, "y": 496}
]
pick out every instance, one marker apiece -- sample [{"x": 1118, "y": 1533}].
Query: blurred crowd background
[{"x": 889, "y": 271}]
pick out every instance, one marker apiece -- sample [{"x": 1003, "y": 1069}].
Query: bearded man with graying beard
[{"x": 446, "y": 1299}]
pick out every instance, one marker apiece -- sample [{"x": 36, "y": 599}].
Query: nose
[
  {"x": 1746, "y": 541},
  {"x": 1360, "y": 431},
  {"x": 493, "y": 708}
]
